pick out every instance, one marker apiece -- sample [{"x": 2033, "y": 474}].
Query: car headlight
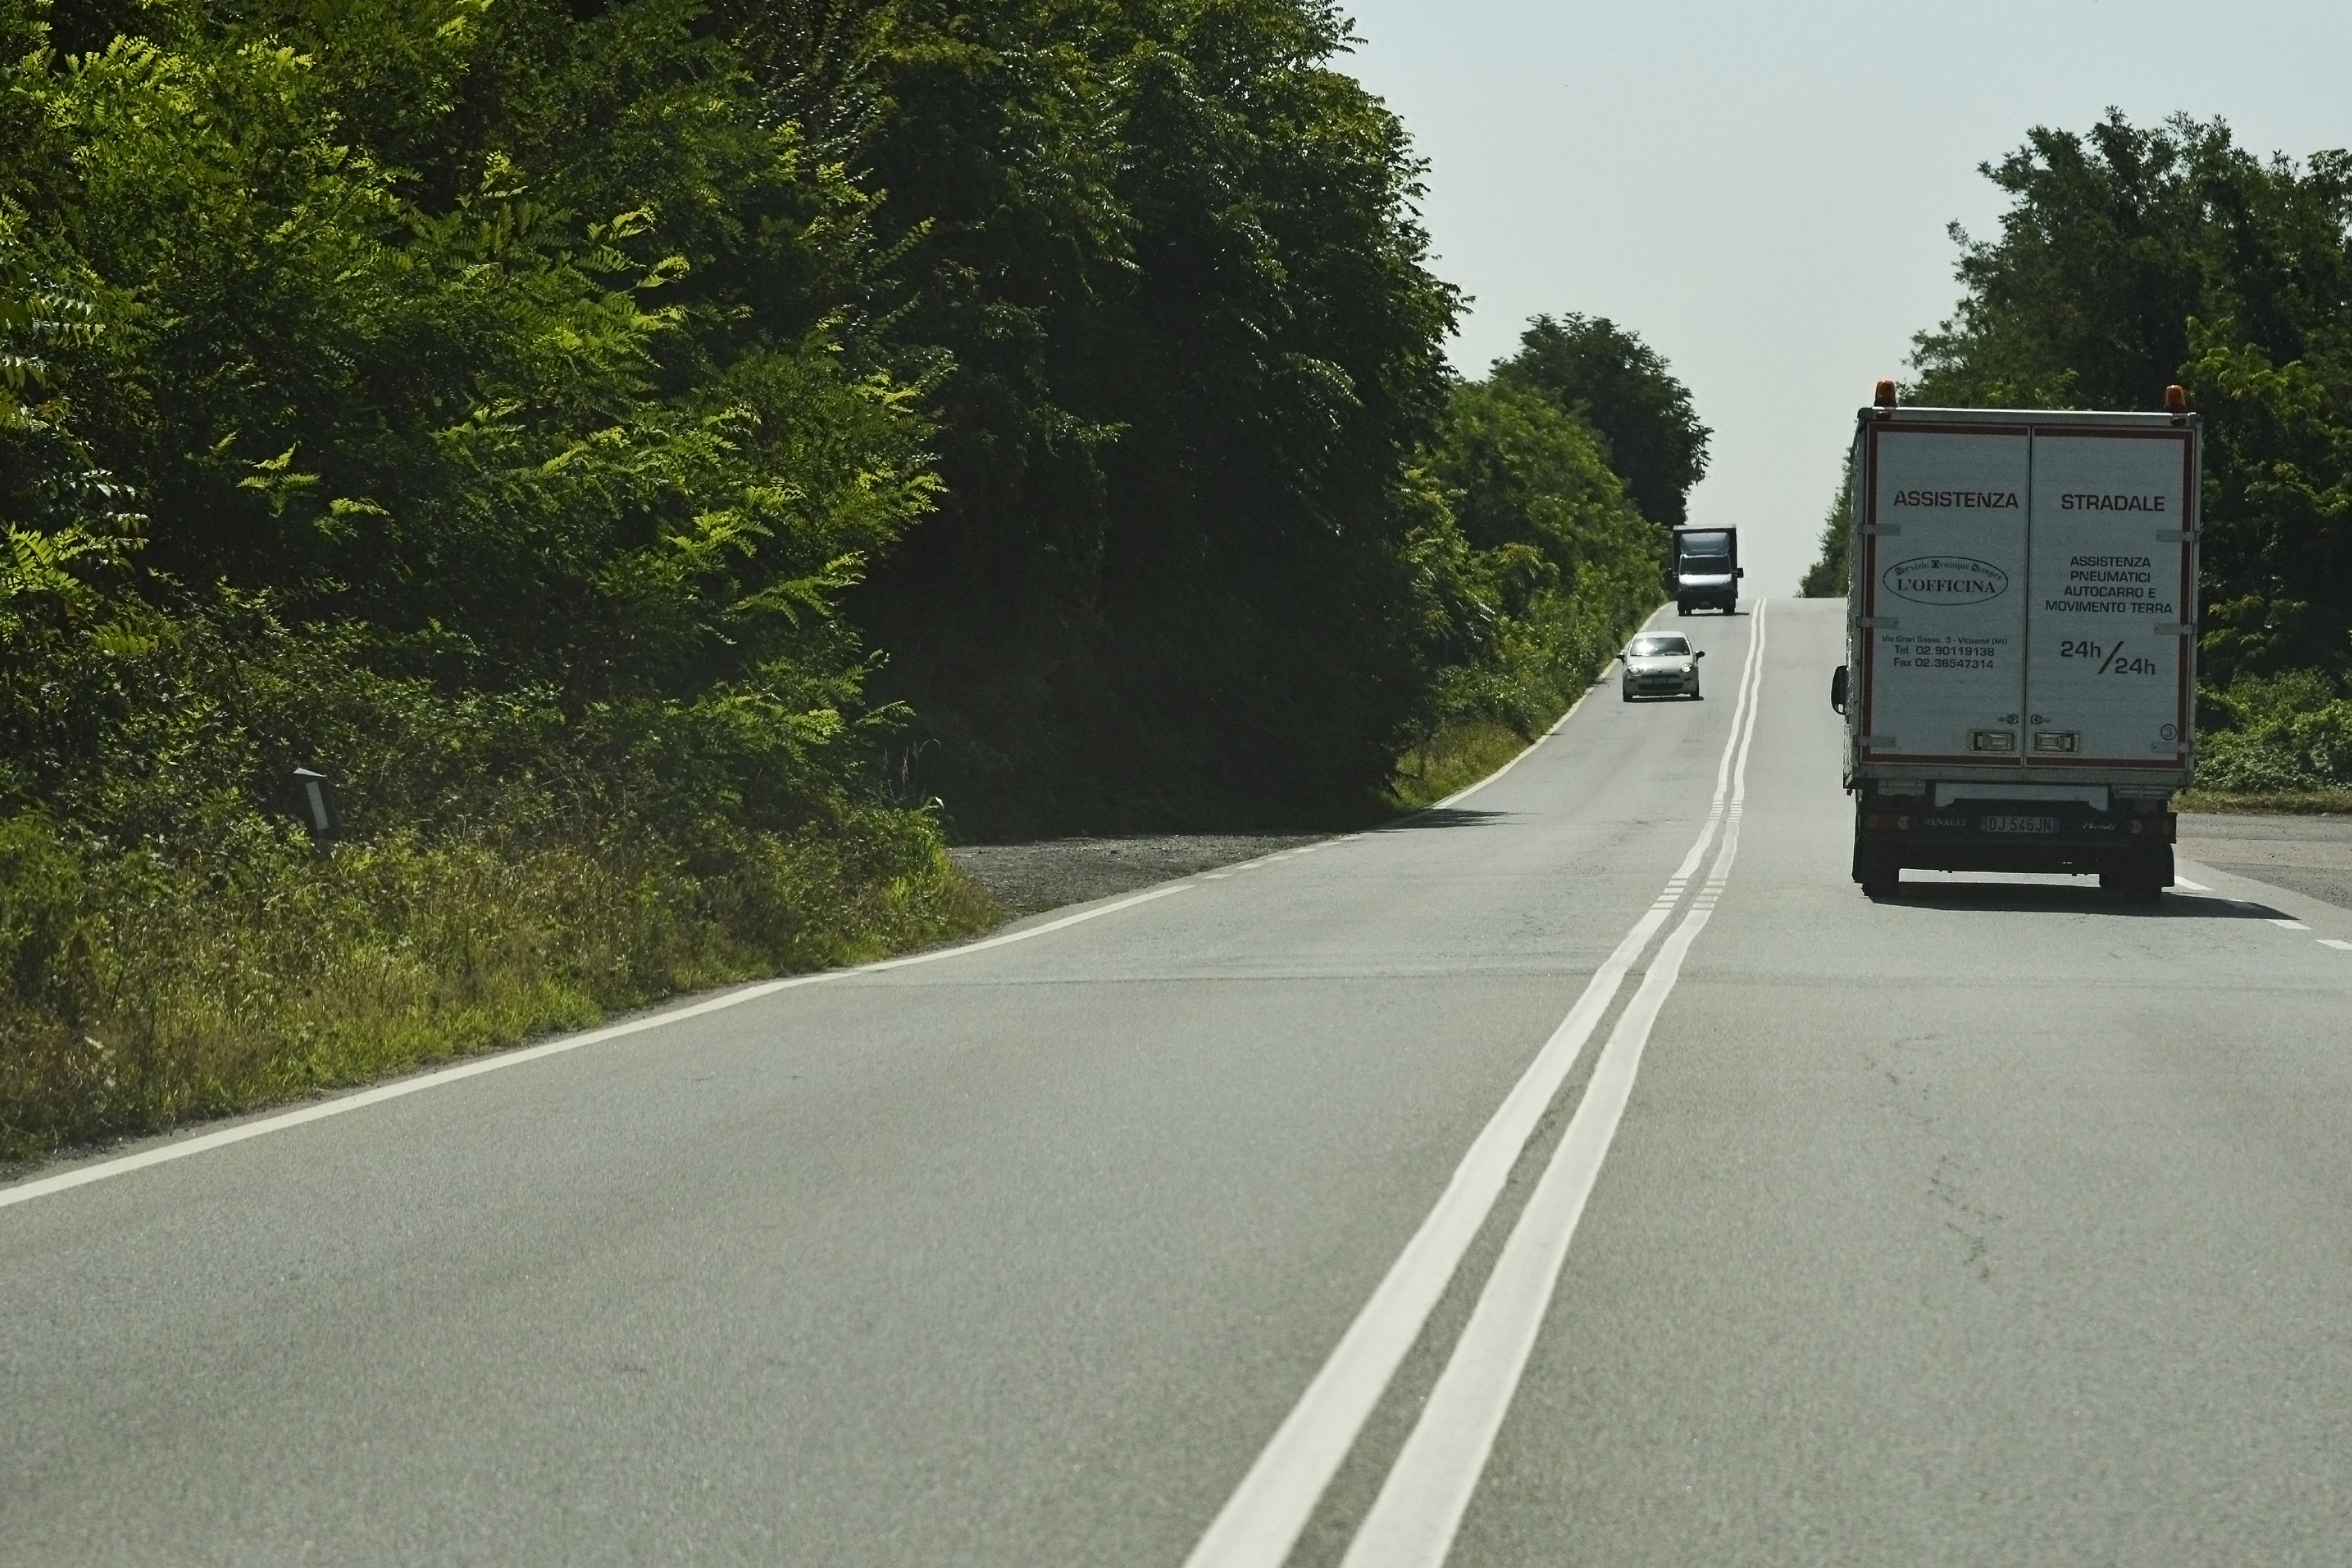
[{"x": 1688, "y": 668}]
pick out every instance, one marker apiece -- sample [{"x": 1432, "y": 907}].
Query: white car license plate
[{"x": 2019, "y": 824}]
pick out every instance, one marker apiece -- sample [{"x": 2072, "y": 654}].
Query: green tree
[
  {"x": 535, "y": 431},
  {"x": 1190, "y": 344},
  {"x": 2133, "y": 257},
  {"x": 2115, "y": 241},
  {"x": 1828, "y": 577},
  {"x": 480, "y": 401},
  {"x": 1535, "y": 562},
  {"x": 1520, "y": 469},
  {"x": 1625, "y": 389}
]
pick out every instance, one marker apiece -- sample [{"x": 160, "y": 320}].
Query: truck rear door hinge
[
  {"x": 1876, "y": 742},
  {"x": 2186, "y": 629},
  {"x": 1880, "y": 622},
  {"x": 2178, "y": 537},
  {"x": 1881, "y": 530}
]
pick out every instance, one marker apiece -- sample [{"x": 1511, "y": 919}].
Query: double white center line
[{"x": 1421, "y": 1505}]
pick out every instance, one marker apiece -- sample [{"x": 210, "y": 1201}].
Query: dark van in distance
[{"x": 1706, "y": 570}]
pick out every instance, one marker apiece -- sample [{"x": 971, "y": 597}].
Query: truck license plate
[{"x": 2019, "y": 824}]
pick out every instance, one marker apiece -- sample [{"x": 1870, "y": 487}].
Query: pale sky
[{"x": 1761, "y": 191}]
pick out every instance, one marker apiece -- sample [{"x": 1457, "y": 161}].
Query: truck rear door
[
  {"x": 1944, "y": 583},
  {"x": 2108, "y": 665}
]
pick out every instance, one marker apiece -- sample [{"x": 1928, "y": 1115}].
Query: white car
[{"x": 1660, "y": 664}]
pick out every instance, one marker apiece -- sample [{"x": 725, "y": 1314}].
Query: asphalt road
[
  {"x": 2310, "y": 855},
  {"x": 1583, "y": 1173}
]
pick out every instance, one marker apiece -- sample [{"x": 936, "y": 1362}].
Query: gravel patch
[
  {"x": 1026, "y": 878},
  {"x": 2310, "y": 855}
]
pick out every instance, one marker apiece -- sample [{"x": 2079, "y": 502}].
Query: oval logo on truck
[{"x": 1944, "y": 580}]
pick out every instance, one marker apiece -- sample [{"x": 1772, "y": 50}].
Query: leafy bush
[
  {"x": 2281, "y": 734},
  {"x": 1535, "y": 563},
  {"x": 465, "y": 401}
]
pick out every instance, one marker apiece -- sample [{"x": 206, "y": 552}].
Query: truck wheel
[
  {"x": 2142, "y": 880},
  {"x": 1880, "y": 873}
]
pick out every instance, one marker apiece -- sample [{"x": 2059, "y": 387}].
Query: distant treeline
[
  {"x": 664, "y": 461},
  {"x": 2131, "y": 257}
]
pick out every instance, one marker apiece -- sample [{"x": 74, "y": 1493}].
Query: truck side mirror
[
  {"x": 1837, "y": 689},
  {"x": 1740, "y": 571}
]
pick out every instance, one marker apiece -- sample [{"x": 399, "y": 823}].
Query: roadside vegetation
[
  {"x": 472, "y": 405},
  {"x": 1541, "y": 552},
  {"x": 2131, "y": 256},
  {"x": 1454, "y": 756},
  {"x": 1826, "y": 578},
  {"x": 670, "y": 464}
]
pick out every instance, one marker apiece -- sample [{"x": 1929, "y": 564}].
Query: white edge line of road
[
  {"x": 1421, "y": 1505},
  {"x": 1261, "y": 1521},
  {"x": 2283, "y": 895},
  {"x": 101, "y": 1170}
]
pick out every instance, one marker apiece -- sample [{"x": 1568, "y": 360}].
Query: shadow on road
[
  {"x": 2036, "y": 896},
  {"x": 1444, "y": 817}
]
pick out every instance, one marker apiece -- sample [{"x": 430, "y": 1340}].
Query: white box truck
[{"x": 2020, "y": 679}]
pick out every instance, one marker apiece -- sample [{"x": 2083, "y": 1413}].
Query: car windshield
[{"x": 1657, "y": 647}]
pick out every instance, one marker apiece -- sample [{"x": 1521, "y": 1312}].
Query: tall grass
[
  {"x": 1456, "y": 757},
  {"x": 2277, "y": 803},
  {"x": 147, "y": 992}
]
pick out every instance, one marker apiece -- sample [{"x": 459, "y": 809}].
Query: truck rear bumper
[
  {"x": 2058, "y": 838},
  {"x": 2077, "y": 858}
]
